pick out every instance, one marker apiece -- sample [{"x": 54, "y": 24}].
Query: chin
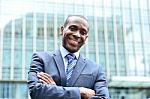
[{"x": 73, "y": 50}]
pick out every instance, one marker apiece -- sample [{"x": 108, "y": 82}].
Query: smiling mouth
[{"x": 73, "y": 42}]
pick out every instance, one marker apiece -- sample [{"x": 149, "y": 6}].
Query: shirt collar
[{"x": 65, "y": 52}]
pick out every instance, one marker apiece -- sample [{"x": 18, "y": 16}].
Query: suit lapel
[
  {"x": 77, "y": 70},
  {"x": 60, "y": 64}
]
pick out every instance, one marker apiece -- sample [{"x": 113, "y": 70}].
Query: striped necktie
[{"x": 70, "y": 65}]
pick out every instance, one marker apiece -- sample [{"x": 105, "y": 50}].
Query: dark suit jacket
[{"x": 86, "y": 74}]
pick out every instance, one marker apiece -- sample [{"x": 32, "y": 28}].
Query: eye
[
  {"x": 83, "y": 32},
  {"x": 73, "y": 28}
]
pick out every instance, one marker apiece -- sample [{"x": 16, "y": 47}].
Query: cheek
[{"x": 64, "y": 40}]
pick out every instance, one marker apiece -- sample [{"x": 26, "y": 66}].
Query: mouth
[{"x": 73, "y": 42}]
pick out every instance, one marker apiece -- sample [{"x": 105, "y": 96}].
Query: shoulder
[
  {"x": 43, "y": 56},
  {"x": 46, "y": 53},
  {"x": 42, "y": 53}
]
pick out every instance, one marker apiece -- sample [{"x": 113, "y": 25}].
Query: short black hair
[{"x": 67, "y": 19}]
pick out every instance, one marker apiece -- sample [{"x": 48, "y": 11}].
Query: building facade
[{"x": 118, "y": 39}]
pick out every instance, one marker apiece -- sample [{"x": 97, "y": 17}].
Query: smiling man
[
  {"x": 65, "y": 73},
  {"x": 74, "y": 33}
]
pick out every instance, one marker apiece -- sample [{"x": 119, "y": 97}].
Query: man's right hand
[{"x": 86, "y": 92}]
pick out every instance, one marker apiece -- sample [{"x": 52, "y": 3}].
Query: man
[{"x": 56, "y": 76}]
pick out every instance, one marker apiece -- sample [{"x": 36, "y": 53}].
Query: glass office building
[{"x": 118, "y": 39}]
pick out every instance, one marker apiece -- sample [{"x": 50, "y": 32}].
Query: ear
[{"x": 61, "y": 30}]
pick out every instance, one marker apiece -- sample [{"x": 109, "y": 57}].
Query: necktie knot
[{"x": 70, "y": 57}]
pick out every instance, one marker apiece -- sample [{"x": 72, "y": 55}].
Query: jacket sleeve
[
  {"x": 39, "y": 90},
  {"x": 100, "y": 86}
]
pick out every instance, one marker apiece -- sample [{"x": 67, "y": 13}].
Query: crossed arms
[{"x": 47, "y": 79}]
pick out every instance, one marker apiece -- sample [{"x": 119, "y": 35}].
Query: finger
[
  {"x": 41, "y": 77},
  {"x": 49, "y": 76},
  {"x": 42, "y": 81},
  {"x": 46, "y": 77}
]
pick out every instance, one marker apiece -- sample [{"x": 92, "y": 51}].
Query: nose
[{"x": 77, "y": 34}]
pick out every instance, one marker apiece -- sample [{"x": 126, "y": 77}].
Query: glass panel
[
  {"x": 135, "y": 4},
  {"x": 127, "y": 15},
  {"x": 17, "y": 64},
  {"x": 83, "y": 50},
  {"x": 147, "y": 55},
  {"x": 112, "y": 64},
  {"x": 102, "y": 61},
  {"x": 7, "y": 30},
  {"x": 69, "y": 8},
  {"x": 99, "y": 2},
  {"x": 18, "y": 49},
  {"x": 50, "y": 32},
  {"x": 137, "y": 33},
  {"x": 29, "y": 31},
  {"x": 119, "y": 25},
  {"x": 40, "y": 31},
  {"x": 101, "y": 47},
  {"x": 27, "y": 61},
  {"x": 60, "y": 8},
  {"x": 136, "y": 16},
  {"x": 119, "y": 34},
  {"x": 107, "y": 3},
  {"x": 126, "y": 3},
  {"x": 129, "y": 93},
  {"x": 121, "y": 59},
  {"x": 50, "y": 7},
  {"x": 122, "y": 64},
  {"x": 144, "y": 4},
  {"x": 129, "y": 33},
  {"x": 18, "y": 28},
  {"x": 7, "y": 36},
  {"x": 146, "y": 33},
  {"x": 60, "y": 20},
  {"x": 79, "y": 9},
  {"x": 110, "y": 31},
  {"x": 92, "y": 55},
  {"x": 140, "y": 65},
  {"x": 38, "y": 6},
  {"x": 7, "y": 90},
  {"x": 91, "y": 34},
  {"x": 91, "y": 46},
  {"x": 145, "y": 16},
  {"x": 100, "y": 25},
  {"x": 131, "y": 64},
  {"x": 116, "y": 3},
  {"x": 6, "y": 64},
  {"x": 89, "y": 11}
]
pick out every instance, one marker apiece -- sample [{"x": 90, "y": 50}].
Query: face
[{"x": 74, "y": 34}]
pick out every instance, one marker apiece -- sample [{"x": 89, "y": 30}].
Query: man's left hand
[{"x": 45, "y": 78}]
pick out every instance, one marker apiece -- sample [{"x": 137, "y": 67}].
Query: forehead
[{"x": 78, "y": 21}]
